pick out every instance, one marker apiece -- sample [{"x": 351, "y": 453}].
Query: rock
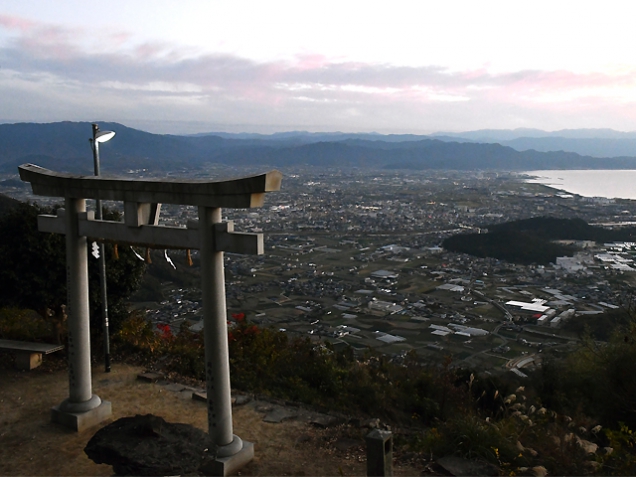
[
  {"x": 264, "y": 408},
  {"x": 323, "y": 420},
  {"x": 459, "y": 466},
  {"x": 242, "y": 399},
  {"x": 148, "y": 445},
  {"x": 373, "y": 423}
]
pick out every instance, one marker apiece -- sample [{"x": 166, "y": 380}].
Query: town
[{"x": 353, "y": 258}]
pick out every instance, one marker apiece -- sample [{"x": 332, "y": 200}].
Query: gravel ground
[{"x": 31, "y": 445}]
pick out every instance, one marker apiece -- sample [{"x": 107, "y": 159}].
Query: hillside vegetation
[{"x": 562, "y": 419}]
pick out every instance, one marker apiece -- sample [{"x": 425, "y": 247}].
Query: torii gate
[{"x": 142, "y": 201}]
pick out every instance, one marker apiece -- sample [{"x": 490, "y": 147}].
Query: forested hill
[
  {"x": 64, "y": 147},
  {"x": 552, "y": 228},
  {"x": 531, "y": 240},
  {"x": 7, "y": 204}
]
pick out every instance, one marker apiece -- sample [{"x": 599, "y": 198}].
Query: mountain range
[{"x": 64, "y": 146}]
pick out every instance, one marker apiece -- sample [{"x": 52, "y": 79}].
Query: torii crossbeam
[{"x": 142, "y": 202}]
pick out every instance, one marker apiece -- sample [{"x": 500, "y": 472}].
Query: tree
[{"x": 33, "y": 271}]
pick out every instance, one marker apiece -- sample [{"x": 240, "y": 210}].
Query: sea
[{"x": 611, "y": 184}]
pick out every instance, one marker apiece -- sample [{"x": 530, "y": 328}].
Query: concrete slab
[
  {"x": 185, "y": 394},
  {"x": 279, "y": 415},
  {"x": 174, "y": 387},
  {"x": 200, "y": 396},
  {"x": 150, "y": 377}
]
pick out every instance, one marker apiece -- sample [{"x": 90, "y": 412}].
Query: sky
[{"x": 397, "y": 66}]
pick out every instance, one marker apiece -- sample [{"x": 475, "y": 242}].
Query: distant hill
[
  {"x": 586, "y": 142},
  {"x": 64, "y": 146},
  {"x": 498, "y": 135},
  {"x": 530, "y": 241},
  {"x": 595, "y": 147}
]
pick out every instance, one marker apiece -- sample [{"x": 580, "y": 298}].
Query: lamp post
[{"x": 99, "y": 137}]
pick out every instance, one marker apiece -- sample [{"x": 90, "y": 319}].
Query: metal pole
[{"x": 102, "y": 260}]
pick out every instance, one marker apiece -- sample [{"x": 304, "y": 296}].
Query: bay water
[{"x": 612, "y": 184}]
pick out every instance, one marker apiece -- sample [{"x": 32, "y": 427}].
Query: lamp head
[{"x": 103, "y": 136}]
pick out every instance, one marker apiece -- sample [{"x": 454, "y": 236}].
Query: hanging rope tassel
[
  {"x": 115, "y": 252},
  {"x": 188, "y": 258},
  {"x": 148, "y": 260}
]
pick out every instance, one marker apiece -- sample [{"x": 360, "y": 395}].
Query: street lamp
[{"x": 99, "y": 137}]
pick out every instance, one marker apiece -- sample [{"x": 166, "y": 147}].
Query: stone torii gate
[{"x": 142, "y": 201}]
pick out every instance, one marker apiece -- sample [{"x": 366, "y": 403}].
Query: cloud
[{"x": 55, "y": 68}]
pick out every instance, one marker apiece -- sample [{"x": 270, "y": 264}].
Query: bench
[{"x": 28, "y": 355}]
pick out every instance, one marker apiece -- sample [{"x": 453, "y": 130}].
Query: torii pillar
[{"x": 142, "y": 199}]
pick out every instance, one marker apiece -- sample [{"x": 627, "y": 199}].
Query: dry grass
[{"x": 31, "y": 445}]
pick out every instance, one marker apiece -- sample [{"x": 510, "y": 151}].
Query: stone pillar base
[
  {"x": 80, "y": 421},
  {"x": 223, "y": 466}
]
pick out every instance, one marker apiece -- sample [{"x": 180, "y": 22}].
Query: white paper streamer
[
  {"x": 168, "y": 259},
  {"x": 137, "y": 255},
  {"x": 95, "y": 250}
]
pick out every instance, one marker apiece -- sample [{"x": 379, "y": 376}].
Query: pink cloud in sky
[
  {"x": 311, "y": 62},
  {"x": 137, "y": 73},
  {"x": 16, "y": 23}
]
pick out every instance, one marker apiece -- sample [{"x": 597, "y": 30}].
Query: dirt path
[{"x": 31, "y": 445}]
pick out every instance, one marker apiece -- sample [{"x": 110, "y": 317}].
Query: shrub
[
  {"x": 472, "y": 437},
  {"x": 23, "y": 325},
  {"x": 137, "y": 335}
]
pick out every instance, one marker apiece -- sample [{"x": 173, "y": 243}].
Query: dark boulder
[{"x": 148, "y": 445}]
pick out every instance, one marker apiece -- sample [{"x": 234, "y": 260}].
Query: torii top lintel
[{"x": 240, "y": 193}]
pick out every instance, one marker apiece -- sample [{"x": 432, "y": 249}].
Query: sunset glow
[{"x": 270, "y": 66}]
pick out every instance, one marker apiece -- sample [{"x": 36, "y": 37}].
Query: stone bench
[{"x": 28, "y": 355}]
